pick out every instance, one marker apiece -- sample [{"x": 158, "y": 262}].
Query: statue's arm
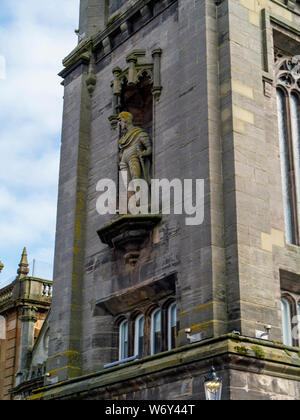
[{"x": 146, "y": 142}]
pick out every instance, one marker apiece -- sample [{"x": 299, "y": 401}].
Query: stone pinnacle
[{"x": 23, "y": 266}]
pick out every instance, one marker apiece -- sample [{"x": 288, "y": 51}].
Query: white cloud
[
  {"x": 31, "y": 172},
  {"x": 33, "y": 44},
  {"x": 27, "y": 219},
  {"x": 34, "y": 38}
]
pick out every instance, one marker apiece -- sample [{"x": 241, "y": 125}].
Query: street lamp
[{"x": 213, "y": 385}]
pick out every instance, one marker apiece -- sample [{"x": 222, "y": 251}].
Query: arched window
[
  {"x": 288, "y": 103},
  {"x": 156, "y": 332},
  {"x": 285, "y": 168},
  {"x": 172, "y": 319},
  {"x": 295, "y": 120},
  {"x": 139, "y": 336},
  {"x": 123, "y": 340},
  {"x": 286, "y": 322}
]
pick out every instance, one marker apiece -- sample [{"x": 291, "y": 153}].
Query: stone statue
[{"x": 135, "y": 149}]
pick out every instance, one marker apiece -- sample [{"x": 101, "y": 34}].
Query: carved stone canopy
[
  {"x": 133, "y": 73},
  {"x": 137, "y": 68}
]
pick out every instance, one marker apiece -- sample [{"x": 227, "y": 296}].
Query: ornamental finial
[{"x": 23, "y": 266}]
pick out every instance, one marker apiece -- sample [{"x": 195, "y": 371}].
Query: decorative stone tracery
[
  {"x": 132, "y": 75},
  {"x": 287, "y": 70}
]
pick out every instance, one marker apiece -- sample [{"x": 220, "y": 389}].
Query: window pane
[
  {"x": 173, "y": 316},
  {"x": 172, "y": 326},
  {"x": 157, "y": 321},
  {"x": 284, "y": 159},
  {"x": 124, "y": 340},
  {"x": 139, "y": 336},
  {"x": 141, "y": 327},
  {"x": 156, "y": 332},
  {"x": 296, "y": 144},
  {"x": 286, "y": 322}
]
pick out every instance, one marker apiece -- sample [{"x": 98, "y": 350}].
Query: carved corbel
[
  {"x": 91, "y": 79},
  {"x": 106, "y": 45},
  {"x": 125, "y": 30},
  {"x": 146, "y": 12},
  {"x": 291, "y": 4}
]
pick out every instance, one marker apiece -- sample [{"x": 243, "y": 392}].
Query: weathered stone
[{"x": 210, "y": 116}]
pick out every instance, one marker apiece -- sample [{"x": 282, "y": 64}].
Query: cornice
[
  {"x": 79, "y": 52},
  {"x": 103, "y": 40}
]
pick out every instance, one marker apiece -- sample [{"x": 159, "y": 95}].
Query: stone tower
[{"x": 151, "y": 292}]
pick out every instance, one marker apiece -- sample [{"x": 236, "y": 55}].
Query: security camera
[{"x": 268, "y": 327}]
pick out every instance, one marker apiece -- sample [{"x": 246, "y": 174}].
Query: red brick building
[{"x": 24, "y": 292}]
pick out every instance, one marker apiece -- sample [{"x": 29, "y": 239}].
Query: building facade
[
  {"x": 24, "y": 305},
  {"x": 213, "y": 89}
]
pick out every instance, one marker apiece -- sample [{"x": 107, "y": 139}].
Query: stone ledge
[
  {"x": 128, "y": 299},
  {"x": 237, "y": 352}
]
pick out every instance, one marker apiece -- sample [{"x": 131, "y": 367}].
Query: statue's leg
[
  {"x": 123, "y": 185},
  {"x": 135, "y": 167},
  {"x": 124, "y": 172}
]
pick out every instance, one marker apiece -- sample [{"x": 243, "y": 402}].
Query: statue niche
[
  {"x": 135, "y": 127},
  {"x": 133, "y": 115}
]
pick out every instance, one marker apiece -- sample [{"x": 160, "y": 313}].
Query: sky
[{"x": 35, "y": 36}]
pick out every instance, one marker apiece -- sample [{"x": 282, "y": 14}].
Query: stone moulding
[
  {"x": 129, "y": 233},
  {"x": 231, "y": 351},
  {"x": 81, "y": 52},
  {"x": 122, "y": 22},
  {"x": 145, "y": 292},
  {"x": 103, "y": 39}
]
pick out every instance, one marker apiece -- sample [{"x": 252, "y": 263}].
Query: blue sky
[{"x": 34, "y": 38}]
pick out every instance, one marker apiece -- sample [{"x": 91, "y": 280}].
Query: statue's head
[
  {"x": 127, "y": 116},
  {"x": 125, "y": 119}
]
